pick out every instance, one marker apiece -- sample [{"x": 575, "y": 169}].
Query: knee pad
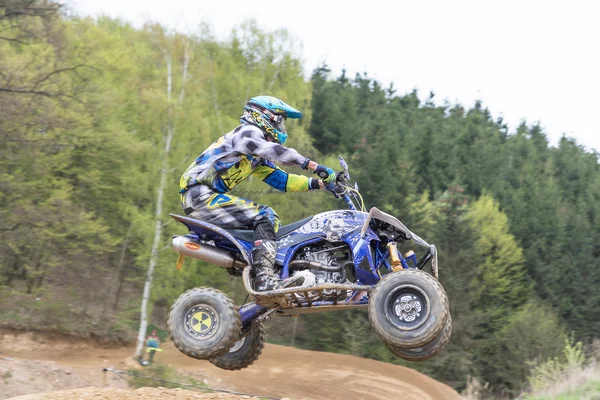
[{"x": 264, "y": 230}]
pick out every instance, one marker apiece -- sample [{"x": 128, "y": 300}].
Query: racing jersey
[{"x": 241, "y": 153}]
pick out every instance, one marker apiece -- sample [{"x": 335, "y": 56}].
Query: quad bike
[{"x": 345, "y": 259}]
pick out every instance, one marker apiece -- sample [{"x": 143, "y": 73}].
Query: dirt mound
[
  {"x": 19, "y": 377},
  {"x": 118, "y": 394},
  {"x": 279, "y": 372}
]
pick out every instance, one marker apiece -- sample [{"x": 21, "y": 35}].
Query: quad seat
[{"x": 248, "y": 235}]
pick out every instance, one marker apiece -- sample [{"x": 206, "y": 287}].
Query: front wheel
[
  {"x": 204, "y": 323},
  {"x": 245, "y": 351},
  {"x": 408, "y": 308}
]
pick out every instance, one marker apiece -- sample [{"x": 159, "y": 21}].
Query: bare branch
[
  {"x": 58, "y": 71},
  {"x": 15, "y": 40},
  {"x": 14, "y": 9},
  {"x": 23, "y": 91}
]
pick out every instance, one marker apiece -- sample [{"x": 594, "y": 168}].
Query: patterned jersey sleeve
[
  {"x": 250, "y": 140},
  {"x": 281, "y": 180}
]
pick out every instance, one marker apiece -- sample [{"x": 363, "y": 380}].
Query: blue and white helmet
[{"x": 269, "y": 114}]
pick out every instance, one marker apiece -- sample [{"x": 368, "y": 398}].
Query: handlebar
[{"x": 342, "y": 189}]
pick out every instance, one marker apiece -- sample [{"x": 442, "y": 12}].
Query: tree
[{"x": 168, "y": 138}]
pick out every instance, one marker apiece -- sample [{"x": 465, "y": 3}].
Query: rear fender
[{"x": 220, "y": 236}]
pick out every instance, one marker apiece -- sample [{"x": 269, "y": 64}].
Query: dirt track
[
  {"x": 119, "y": 394},
  {"x": 280, "y": 372}
]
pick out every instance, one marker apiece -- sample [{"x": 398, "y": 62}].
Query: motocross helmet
[{"x": 269, "y": 114}]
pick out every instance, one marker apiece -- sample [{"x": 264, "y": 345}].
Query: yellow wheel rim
[{"x": 201, "y": 322}]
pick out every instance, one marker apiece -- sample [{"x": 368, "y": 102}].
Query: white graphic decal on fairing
[
  {"x": 335, "y": 228},
  {"x": 285, "y": 241},
  {"x": 335, "y": 223}
]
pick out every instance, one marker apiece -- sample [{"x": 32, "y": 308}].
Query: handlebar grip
[
  {"x": 341, "y": 176},
  {"x": 337, "y": 190}
]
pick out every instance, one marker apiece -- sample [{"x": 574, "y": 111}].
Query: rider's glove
[
  {"x": 325, "y": 173},
  {"x": 315, "y": 184}
]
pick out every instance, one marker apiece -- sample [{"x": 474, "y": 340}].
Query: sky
[{"x": 530, "y": 60}]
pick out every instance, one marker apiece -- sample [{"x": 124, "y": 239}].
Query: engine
[{"x": 332, "y": 263}]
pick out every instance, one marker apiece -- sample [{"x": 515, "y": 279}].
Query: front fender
[
  {"x": 431, "y": 254},
  {"x": 375, "y": 213}
]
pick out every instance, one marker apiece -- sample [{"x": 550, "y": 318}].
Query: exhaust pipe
[
  {"x": 205, "y": 252},
  {"x": 316, "y": 265}
]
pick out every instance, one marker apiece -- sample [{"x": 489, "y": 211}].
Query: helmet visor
[{"x": 280, "y": 123}]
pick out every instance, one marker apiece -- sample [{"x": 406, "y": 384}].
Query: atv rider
[{"x": 250, "y": 149}]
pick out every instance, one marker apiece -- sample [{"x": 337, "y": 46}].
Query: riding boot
[{"x": 263, "y": 258}]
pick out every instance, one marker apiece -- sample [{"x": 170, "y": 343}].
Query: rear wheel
[
  {"x": 408, "y": 308},
  {"x": 204, "y": 323},
  {"x": 245, "y": 351},
  {"x": 428, "y": 350}
]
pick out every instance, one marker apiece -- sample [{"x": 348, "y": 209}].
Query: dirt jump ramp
[{"x": 282, "y": 372}]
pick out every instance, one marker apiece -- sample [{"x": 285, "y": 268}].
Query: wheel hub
[
  {"x": 408, "y": 308},
  {"x": 201, "y": 321}
]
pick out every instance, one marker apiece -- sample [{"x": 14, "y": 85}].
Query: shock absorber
[{"x": 394, "y": 255}]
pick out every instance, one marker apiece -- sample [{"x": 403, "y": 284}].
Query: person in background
[{"x": 152, "y": 344}]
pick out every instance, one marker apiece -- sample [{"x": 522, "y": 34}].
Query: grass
[
  {"x": 581, "y": 383},
  {"x": 589, "y": 391},
  {"x": 566, "y": 378},
  {"x": 164, "y": 372},
  {"x": 578, "y": 384},
  {"x": 573, "y": 376}
]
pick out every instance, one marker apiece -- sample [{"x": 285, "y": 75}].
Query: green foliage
[
  {"x": 568, "y": 376},
  {"x": 79, "y": 177},
  {"x": 532, "y": 333},
  {"x": 498, "y": 283},
  {"x": 547, "y": 373}
]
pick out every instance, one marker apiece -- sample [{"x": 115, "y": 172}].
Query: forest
[{"x": 99, "y": 119}]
